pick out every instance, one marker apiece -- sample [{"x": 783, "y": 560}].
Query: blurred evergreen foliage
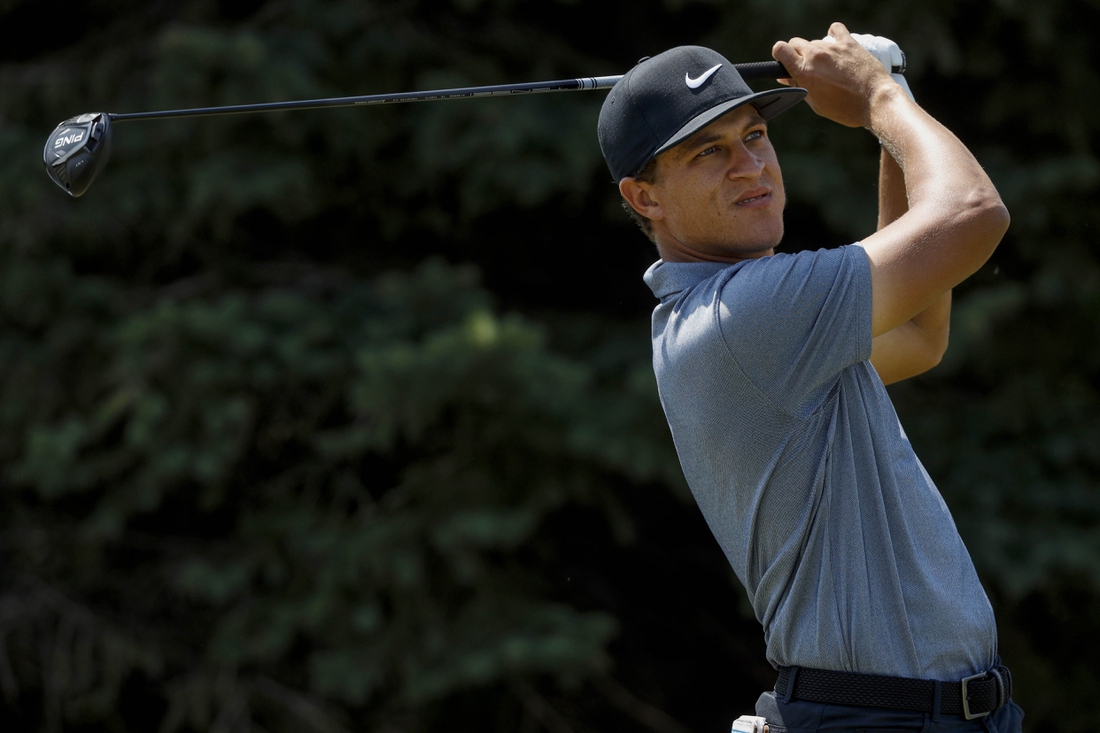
[{"x": 343, "y": 420}]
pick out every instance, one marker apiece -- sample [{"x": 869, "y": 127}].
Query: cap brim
[{"x": 768, "y": 103}]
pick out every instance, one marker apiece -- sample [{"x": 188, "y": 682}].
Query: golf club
[{"x": 79, "y": 147}]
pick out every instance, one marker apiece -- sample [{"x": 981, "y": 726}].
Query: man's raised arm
[
  {"x": 955, "y": 217},
  {"x": 917, "y": 345}
]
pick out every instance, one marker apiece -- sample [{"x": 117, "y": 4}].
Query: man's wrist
[
  {"x": 886, "y": 102},
  {"x": 901, "y": 82}
]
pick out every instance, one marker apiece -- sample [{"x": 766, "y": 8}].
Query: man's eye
[
  {"x": 755, "y": 135},
  {"x": 708, "y": 151}
]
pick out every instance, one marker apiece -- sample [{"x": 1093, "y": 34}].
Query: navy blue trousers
[{"x": 799, "y": 716}]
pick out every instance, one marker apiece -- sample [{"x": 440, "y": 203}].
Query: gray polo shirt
[{"x": 796, "y": 458}]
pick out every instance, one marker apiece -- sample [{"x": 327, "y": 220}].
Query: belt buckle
[{"x": 966, "y": 703}]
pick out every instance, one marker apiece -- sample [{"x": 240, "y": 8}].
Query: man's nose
[{"x": 745, "y": 164}]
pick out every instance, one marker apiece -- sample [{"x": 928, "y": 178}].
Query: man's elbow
[
  {"x": 936, "y": 353},
  {"x": 932, "y": 348},
  {"x": 980, "y": 222},
  {"x": 987, "y": 219},
  {"x": 918, "y": 361},
  {"x": 997, "y": 219},
  {"x": 933, "y": 342}
]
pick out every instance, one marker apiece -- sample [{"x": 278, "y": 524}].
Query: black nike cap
[{"x": 668, "y": 98}]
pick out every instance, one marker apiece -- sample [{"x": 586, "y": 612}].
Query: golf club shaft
[{"x": 749, "y": 71}]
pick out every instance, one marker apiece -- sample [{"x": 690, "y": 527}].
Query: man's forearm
[
  {"x": 950, "y": 225},
  {"x": 892, "y": 199},
  {"x": 917, "y": 345},
  {"x": 957, "y": 215},
  {"x": 935, "y": 320}
]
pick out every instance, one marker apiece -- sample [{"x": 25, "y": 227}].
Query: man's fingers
[
  {"x": 799, "y": 44},
  {"x": 784, "y": 54},
  {"x": 787, "y": 53},
  {"x": 839, "y": 31}
]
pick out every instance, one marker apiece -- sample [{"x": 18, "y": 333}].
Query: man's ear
[{"x": 640, "y": 197}]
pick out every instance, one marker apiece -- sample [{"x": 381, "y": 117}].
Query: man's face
[{"x": 719, "y": 194}]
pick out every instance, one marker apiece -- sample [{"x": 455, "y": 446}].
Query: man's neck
[{"x": 688, "y": 254}]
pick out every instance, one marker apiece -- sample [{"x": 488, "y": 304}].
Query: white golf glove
[{"x": 888, "y": 53}]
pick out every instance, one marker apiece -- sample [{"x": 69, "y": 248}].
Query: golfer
[{"x": 772, "y": 366}]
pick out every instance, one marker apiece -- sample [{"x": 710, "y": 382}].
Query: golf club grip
[{"x": 758, "y": 70}]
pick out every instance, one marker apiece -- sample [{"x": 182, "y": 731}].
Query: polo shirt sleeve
[{"x": 793, "y": 322}]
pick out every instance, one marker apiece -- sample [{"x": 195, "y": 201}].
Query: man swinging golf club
[{"x": 772, "y": 367}]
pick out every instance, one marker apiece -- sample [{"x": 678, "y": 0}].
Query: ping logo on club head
[{"x": 69, "y": 139}]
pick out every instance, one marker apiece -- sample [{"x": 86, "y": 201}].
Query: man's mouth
[{"x": 755, "y": 196}]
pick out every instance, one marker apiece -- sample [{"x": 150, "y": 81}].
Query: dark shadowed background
[{"x": 344, "y": 421}]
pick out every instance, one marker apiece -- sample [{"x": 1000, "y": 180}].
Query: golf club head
[{"x": 76, "y": 150}]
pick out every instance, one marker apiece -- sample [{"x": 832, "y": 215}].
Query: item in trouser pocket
[{"x": 750, "y": 724}]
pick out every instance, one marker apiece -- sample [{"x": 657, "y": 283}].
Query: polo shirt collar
[{"x": 669, "y": 278}]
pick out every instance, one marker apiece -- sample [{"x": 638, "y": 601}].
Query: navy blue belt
[{"x": 972, "y": 697}]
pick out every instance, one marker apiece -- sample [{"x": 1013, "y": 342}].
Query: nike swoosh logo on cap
[{"x": 698, "y": 81}]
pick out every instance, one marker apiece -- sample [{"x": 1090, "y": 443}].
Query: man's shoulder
[
  {"x": 668, "y": 279},
  {"x": 757, "y": 323}
]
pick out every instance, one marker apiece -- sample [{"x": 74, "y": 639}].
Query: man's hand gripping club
[
  {"x": 841, "y": 77},
  {"x": 887, "y": 52},
  {"x": 955, "y": 217}
]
